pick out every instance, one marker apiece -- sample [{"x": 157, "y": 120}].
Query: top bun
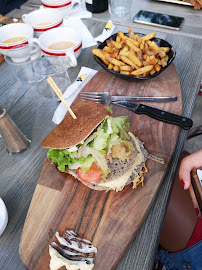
[{"x": 71, "y": 132}]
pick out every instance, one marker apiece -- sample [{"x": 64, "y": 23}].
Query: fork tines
[
  {"x": 90, "y": 94},
  {"x": 93, "y": 96}
]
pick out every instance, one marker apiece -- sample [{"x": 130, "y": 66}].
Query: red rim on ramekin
[
  {"x": 14, "y": 45},
  {"x": 48, "y": 28},
  {"x": 57, "y": 5},
  {"x": 76, "y": 49}
]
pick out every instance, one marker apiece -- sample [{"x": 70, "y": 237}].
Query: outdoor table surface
[
  {"x": 191, "y": 26},
  {"x": 33, "y": 114}
]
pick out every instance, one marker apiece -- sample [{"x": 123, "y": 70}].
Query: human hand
[{"x": 193, "y": 161}]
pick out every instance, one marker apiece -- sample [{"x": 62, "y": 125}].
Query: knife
[
  {"x": 157, "y": 114},
  {"x": 152, "y": 99}
]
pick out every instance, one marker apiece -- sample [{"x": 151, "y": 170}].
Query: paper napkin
[
  {"x": 81, "y": 13},
  {"x": 72, "y": 91},
  {"x": 107, "y": 32},
  {"x": 87, "y": 39}
]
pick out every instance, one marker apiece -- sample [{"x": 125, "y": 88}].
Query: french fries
[
  {"x": 133, "y": 55},
  {"x": 148, "y": 37},
  {"x": 142, "y": 70},
  {"x": 99, "y": 54},
  {"x": 134, "y": 59}
]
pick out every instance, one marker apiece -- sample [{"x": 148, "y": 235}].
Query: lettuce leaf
[
  {"x": 61, "y": 157},
  {"x": 100, "y": 160},
  {"x": 100, "y": 141},
  {"x": 113, "y": 140},
  {"x": 110, "y": 132},
  {"x": 121, "y": 126},
  {"x": 89, "y": 160},
  {"x": 86, "y": 142},
  {"x": 83, "y": 162}
]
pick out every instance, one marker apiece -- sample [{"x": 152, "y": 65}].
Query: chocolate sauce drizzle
[{"x": 74, "y": 248}]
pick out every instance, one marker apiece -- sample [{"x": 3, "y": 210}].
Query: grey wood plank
[
  {"x": 191, "y": 26},
  {"x": 31, "y": 5},
  {"x": 33, "y": 114},
  {"x": 18, "y": 12}
]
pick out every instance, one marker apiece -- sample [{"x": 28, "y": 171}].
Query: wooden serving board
[
  {"x": 7, "y": 20},
  {"x": 109, "y": 219}
]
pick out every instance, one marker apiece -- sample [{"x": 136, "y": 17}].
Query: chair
[{"x": 180, "y": 218}]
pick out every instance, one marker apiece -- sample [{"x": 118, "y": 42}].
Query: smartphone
[
  {"x": 197, "y": 187},
  {"x": 199, "y": 173},
  {"x": 158, "y": 19}
]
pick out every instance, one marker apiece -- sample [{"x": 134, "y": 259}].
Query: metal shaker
[{"x": 13, "y": 138}]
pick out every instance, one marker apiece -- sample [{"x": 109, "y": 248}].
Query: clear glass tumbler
[
  {"x": 23, "y": 71},
  {"x": 120, "y": 8},
  {"x": 54, "y": 67}
]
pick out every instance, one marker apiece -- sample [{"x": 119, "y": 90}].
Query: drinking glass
[
  {"x": 54, "y": 67},
  {"x": 120, "y": 8},
  {"x": 23, "y": 71}
]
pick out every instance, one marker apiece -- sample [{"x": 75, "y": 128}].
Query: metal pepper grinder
[{"x": 13, "y": 138}]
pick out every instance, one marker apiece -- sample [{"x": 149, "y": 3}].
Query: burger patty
[{"x": 119, "y": 168}]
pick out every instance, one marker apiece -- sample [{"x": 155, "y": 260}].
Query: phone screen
[
  {"x": 162, "y": 20},
  {"x": 199, "y": 173}
]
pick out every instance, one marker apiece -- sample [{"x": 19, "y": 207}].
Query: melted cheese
[{"x": 57, "y": 261}]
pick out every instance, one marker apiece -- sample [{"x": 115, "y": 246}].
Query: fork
[{"x": 105, "y": 98}]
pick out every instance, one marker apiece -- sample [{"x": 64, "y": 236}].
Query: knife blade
[
  {"x": 154, "y": 99},
  {"x": 164, "y": 116}
]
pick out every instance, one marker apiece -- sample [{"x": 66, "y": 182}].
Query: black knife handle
[{"x": 164, "y": 116}]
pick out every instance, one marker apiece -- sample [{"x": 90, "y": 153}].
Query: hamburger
[{"x": 97, "y": 149}]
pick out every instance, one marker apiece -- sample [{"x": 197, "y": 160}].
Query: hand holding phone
[{"x": 197, "y": 187}]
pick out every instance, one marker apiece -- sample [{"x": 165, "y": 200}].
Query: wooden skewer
[{"x": 59, "y": 94}]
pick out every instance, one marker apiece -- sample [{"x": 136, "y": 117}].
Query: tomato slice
[{"x": 91, "y": 175}]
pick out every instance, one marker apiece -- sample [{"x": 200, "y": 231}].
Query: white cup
[
  {"x": 62, "y": 34},
  {"x": 120, "y": 8},
  {"x": 19, "y": 51},
  {"x": 43, "y": 19},
  {"x": 3, "y": 216},
  {"x": 65, "y": 6}
]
